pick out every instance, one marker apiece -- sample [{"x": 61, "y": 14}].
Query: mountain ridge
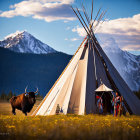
[{"x": 24, "y": 42}]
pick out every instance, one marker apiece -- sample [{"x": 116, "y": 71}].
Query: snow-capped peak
[
  {"x": 24, "y": 42},
  {"x": 12, "y": 35},
  {"x": 110, "y": 45}
]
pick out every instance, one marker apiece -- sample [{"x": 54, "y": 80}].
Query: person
[
  {"x": 117, "y": 104},
  {"x": 57, "y": 109},
  {"x": 99, "y": 104},
  {"x": 112, "y": 102},
  {"x": 61, "y": 110},
  {"x": 122, "y": 107}
]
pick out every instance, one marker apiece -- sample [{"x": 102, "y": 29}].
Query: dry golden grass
[{"x": 69, "y": 127}]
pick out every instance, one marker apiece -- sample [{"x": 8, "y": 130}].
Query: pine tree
[
  {"x": 10, "y": 95},
  {"x": 3, "y": 96}
]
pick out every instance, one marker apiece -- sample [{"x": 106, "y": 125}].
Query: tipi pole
[
  {"x": 80, "y": 20},
  {"x": 85, "y": 13},
  {"x": 92, "y": 10}
]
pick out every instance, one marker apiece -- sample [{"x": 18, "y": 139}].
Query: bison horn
[
  {"x": 36, "y": 91},
  {"x": 26, "y": 90}
]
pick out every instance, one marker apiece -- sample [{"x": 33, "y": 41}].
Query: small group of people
[
  {"x": 59, "y": 110},
  {"x": 117, "y": 103}
]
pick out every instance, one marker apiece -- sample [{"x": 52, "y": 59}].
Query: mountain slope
[
  {"x": 17, "y": 70},
  {"x": 127, "y": 64},
  {"x": 25, "y": 43}
]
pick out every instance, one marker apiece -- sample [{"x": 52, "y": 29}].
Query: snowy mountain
[
  {"x": 25, "y": 43},
  {"x": 127, "y": 64}
]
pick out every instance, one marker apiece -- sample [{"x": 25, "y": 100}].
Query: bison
[{"x": 23, "y": 102}]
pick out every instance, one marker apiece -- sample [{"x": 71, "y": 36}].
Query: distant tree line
[{"x": 5, "y": 97}]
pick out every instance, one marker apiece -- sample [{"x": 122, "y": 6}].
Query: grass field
[{"x": 67, "y": 127}]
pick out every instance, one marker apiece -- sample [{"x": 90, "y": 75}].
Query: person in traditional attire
[
  {"x": 117, "y": 104},
  {"x": 99, "y": 104}
]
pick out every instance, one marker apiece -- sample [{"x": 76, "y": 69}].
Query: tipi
[{"x": 74, "y": 91}]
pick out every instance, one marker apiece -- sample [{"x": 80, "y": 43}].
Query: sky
[{"x": 54, "y": 23}]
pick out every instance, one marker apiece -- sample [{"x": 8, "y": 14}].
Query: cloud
[
  {"x": 125, "y": 31},
  {"x": 48, "y": 10},
  {"x": 66, "y": 21},
  {"x": 68, "y": 28},
  {"x": 66, "y": 39},
  {"x": 74, "y": 39},
  {"x": 81, "y": 32},
  {"x": 132, "y": 47},
  {"x": 125, "y": 42},
  {"x": 122, "y": 26}
]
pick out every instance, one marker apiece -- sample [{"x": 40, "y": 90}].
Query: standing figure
[
  {"x": 117, "y": 104},
  {"x": 100, "y": 104},
  {"x": 57, "y": 109}
]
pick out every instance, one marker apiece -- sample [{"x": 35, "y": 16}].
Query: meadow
[{"x": 67, "y": 126}]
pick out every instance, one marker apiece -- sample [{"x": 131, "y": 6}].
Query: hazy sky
[{"x": 54, "y": 23}]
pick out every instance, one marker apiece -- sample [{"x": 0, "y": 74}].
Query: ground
[{"x": 67, "y": 126}]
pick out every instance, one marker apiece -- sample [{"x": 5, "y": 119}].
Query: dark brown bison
[{"x": 23, "y": 102}]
